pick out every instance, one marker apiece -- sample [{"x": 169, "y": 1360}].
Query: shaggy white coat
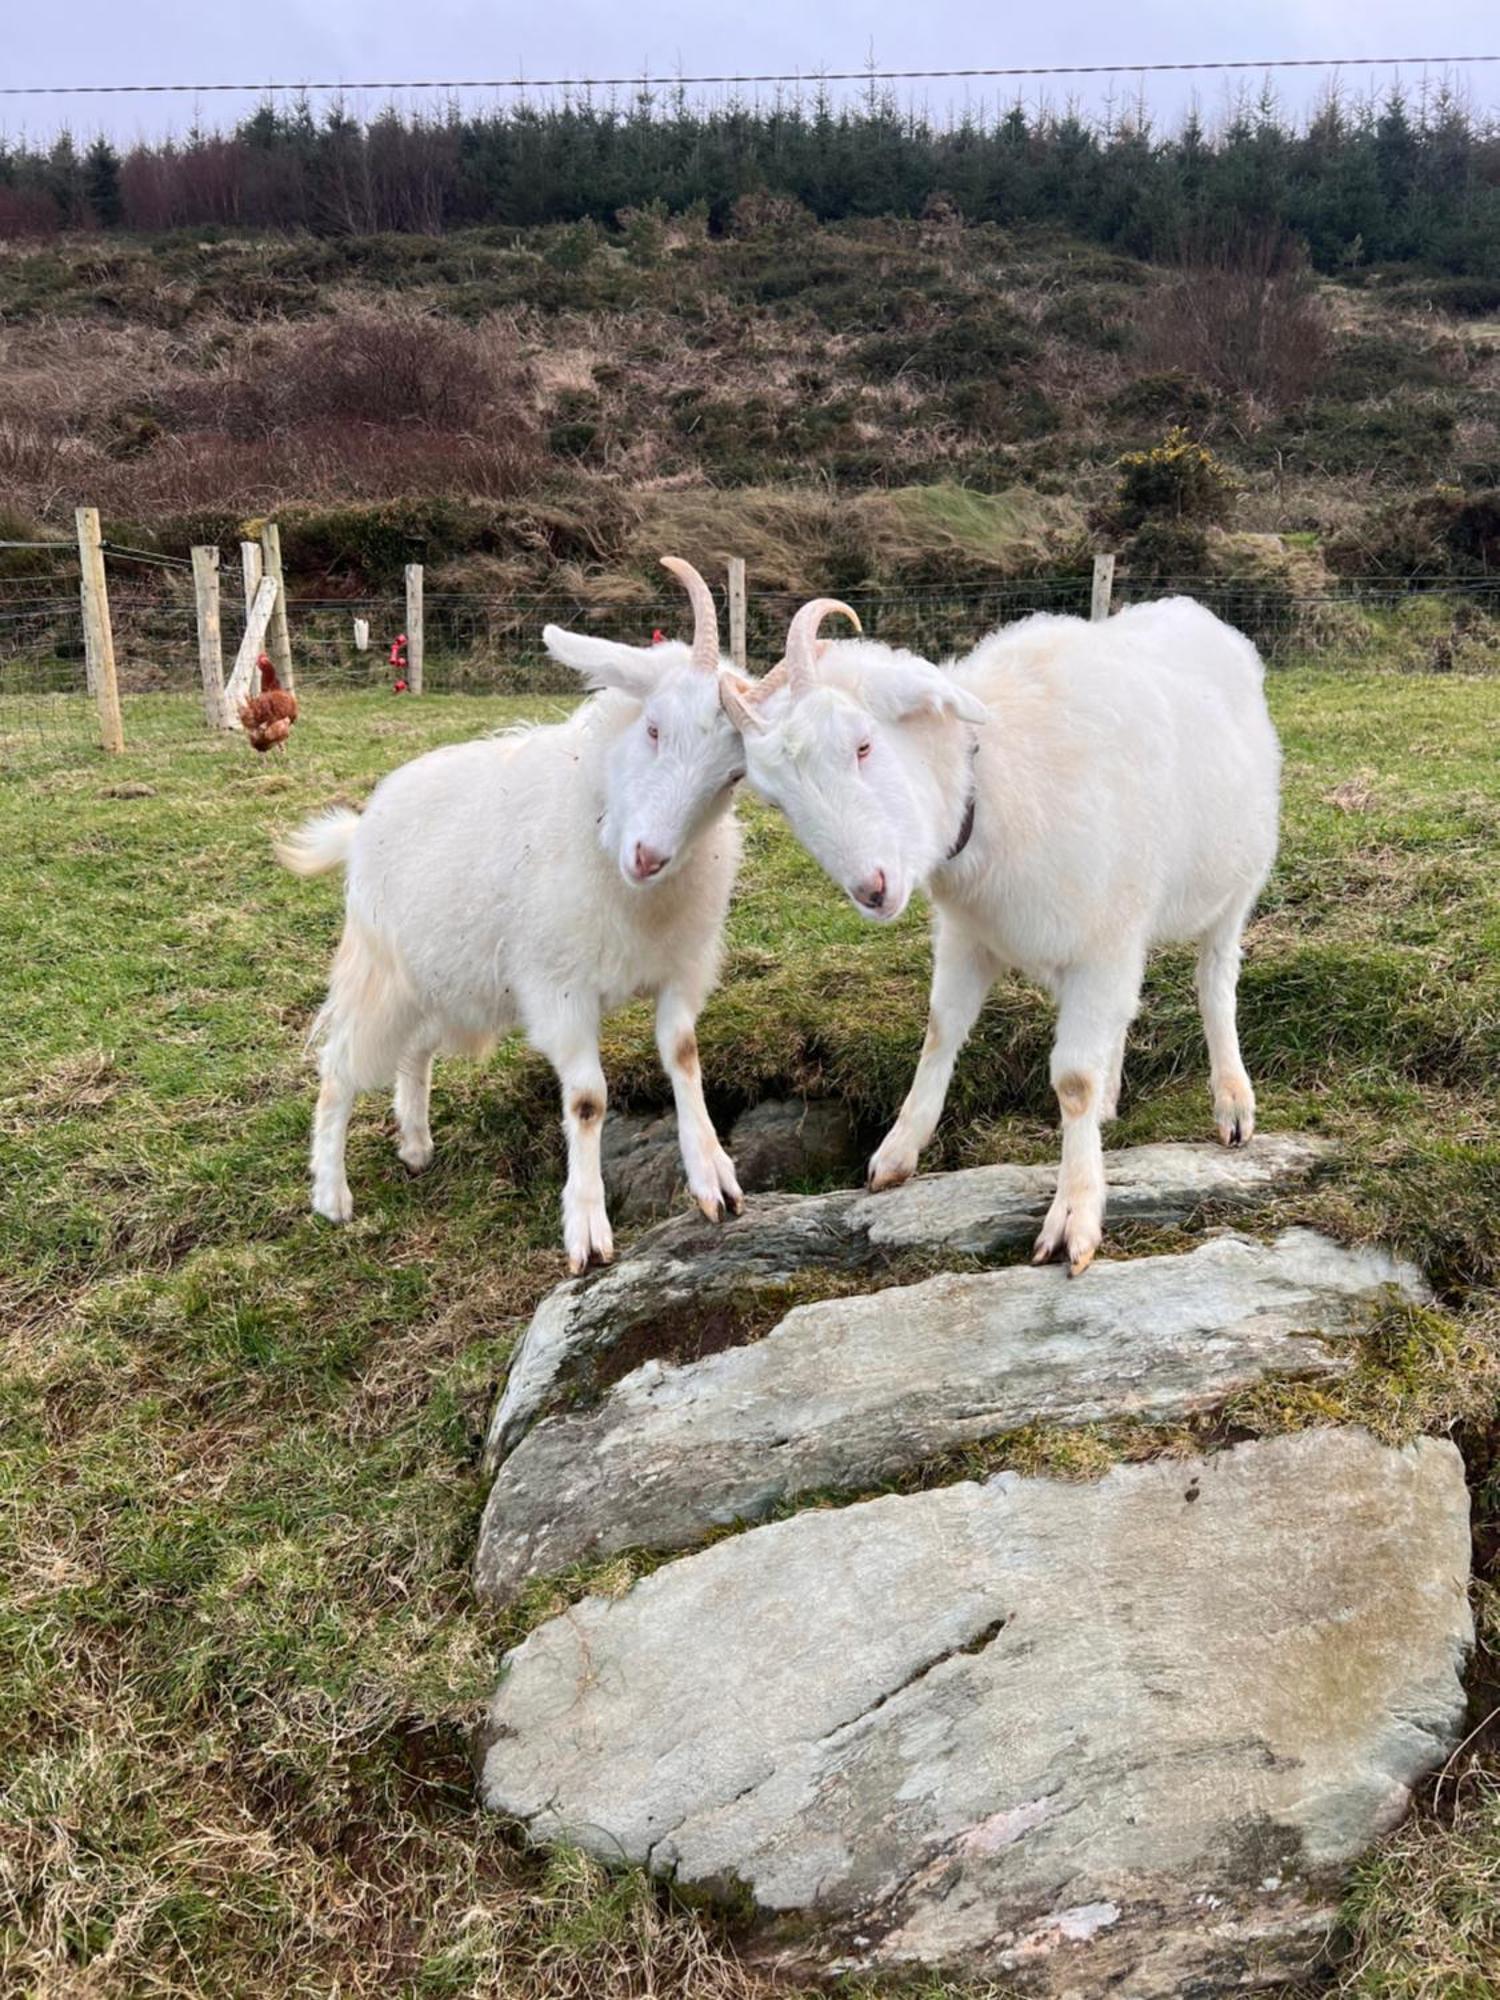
[
  {"x": 495, "y": 885},
  {"x": 1125, "y": 781}
]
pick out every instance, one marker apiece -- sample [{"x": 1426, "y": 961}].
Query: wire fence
[{"x": 478, "y": 644}]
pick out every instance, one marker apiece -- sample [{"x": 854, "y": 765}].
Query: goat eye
[
  {"x": 651, "y": 731},
  {"x": 863, "y": 751}
]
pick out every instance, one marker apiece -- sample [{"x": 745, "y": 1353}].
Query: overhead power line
[{"x": 643, "y": 81}]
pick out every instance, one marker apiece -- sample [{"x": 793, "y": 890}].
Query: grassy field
[{"x": 238, "y": 1652}]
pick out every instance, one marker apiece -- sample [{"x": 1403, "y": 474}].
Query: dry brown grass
[
  {"x": 365, "y": 405},
  {"x": 242, "y": 377}
]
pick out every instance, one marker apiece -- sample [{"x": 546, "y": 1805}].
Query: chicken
[{"x": 267, "y": 717}]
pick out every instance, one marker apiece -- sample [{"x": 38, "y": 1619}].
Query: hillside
[{"x": 860, "y": 405}]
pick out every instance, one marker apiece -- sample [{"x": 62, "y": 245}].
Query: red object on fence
[
  {"x": 398, "y": 661},
  {"x": 658, "y": 637}
]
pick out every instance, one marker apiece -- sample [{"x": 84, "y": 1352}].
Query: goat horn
[
  {"x": 705, "y": 617},
  {"x": 738, "y": 703},
  {"x": 769, "y": 682},
  {"x": 801, "y": 640}
]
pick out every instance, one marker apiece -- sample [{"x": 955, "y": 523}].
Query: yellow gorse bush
[{"x": 1179, "y": 476}]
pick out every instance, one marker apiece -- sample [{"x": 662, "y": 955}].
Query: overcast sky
[{"x": 171, "y": 41}]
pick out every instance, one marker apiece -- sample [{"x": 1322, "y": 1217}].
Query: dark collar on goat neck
[{"x": 966, "y": 824}]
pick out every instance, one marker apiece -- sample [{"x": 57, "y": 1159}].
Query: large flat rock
[
  {"x": 688, "y": 1264},
  {"x": 1114, "y": 1737},
  {"x": 852, "y": 1392}
]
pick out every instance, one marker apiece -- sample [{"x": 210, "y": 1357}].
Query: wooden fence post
[
  {"x": 210, "y": 637},
  {"x": 737, "y": 612},
  {"x": 1104, "y": 587},
  {"x": 414, "y": 654},
  {"x": 250, "y": 571},
  {"x": 98, "y": 639},
  {"x": 242, "y": 681},
  {"x": 278, "y": 636}
]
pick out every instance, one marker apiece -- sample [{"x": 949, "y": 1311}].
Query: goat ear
[
  {"x": 911, "y": 687},
  {"x": 605, "y": 663}
]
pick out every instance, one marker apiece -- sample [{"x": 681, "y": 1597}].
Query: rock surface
[
  {"x": 851, "y": 1392},
  {"x": 792, "y": 1139},
  {"x": 690, "y": 1263},
  {"x": 783, "y": 1140},
  {"x": 1111, "y": 1737},
  {"x": 641, "y": 1165}
]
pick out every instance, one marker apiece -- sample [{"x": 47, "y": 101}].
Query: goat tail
[{"x": 321, "y": 844}]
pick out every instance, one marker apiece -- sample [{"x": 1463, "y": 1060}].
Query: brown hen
[{"x": 267, "y": 717}]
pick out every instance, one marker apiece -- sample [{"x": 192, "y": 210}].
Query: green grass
[{"x": 238, "y": 1485}]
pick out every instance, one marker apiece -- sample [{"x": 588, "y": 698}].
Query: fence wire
[
  {"x": 480, "y": 644},
  {"x": 45, "y": 710},
  {"x": 483, "y": 645}
]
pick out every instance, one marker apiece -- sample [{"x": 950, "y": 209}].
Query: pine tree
[
  {"x": 1371, "y": 181},
  {"x": 63, "y": 180},
  {"x": 101, "y": 181}
]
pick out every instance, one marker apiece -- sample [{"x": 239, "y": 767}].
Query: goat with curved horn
[
  {"x": 1046, "y": 792},
  {"x": 535, "y": 883},
  {"x": 705, "y": 615}
]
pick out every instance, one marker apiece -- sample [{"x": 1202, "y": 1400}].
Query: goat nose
[
  {"x": 871, "y": 892},
  {"x": 648, "y": 862}
]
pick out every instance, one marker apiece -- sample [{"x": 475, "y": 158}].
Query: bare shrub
[
  {"x": 361, "y": 407},
  {"x": 1242, "y": 315},
  {"x": 28, "y": 212},
  {"x": 369, "y": 369}
]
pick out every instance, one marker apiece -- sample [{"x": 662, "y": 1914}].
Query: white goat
[
  {"x": 1121, "y": 792},
  {"x": 538, "y": 879}
]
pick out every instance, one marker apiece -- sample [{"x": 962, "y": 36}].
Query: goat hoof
[
  {"x": 1234, "y": 1113},
  {"x": 1050, "y": 1237},
  {"x": 711, "y": 1206},
  {"x": 335, "y": 1207},
  {"x": 586, "y": 1238},
  {"x": 1073, "y": 1233},
  {"x": 728, "y": 1185}
]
